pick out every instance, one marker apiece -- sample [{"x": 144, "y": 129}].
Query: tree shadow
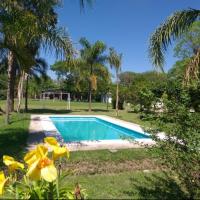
[
  {"x": 13, "y": 142},
  {"x": 156, "y": 187},
  {"x": 50, "y": 111},
  {"x": 24, "y": 119},
  {"x": 95, "y": 110},
  {"x": 62, "y": 111}
]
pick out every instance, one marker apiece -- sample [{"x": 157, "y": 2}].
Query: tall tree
[
  {"x": 92, "y": 56},
  {"x": 23, "y": 22},
  {"x": 179, "y": 149},
  {"x": 115, "y": 61}
]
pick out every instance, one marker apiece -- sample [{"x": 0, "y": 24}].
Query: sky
[{"x": 125, "y": 25}]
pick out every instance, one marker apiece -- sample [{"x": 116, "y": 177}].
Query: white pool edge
[{"x": 49, "y": 129}]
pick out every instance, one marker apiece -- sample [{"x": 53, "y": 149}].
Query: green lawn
[
  {"x": 60, "y": 107},
  {"x": 13, "y": 137},
  {"x": 129, "y": 185},
  {"x": 128, "y": 173}
]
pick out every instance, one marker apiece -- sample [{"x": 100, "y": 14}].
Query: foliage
[
  {"x": 126, "y": 79},
  {"x": 115, "y": 61},
  {"x": 146, "y": 97},
  {"x": 74, "y": 78},
  {"x": 175, "y": 85},
  {"x": 174, "y": 27},
  {"x": 178, "y": 70},
  {"x": 179, "y": 149},
  {"x": 120, "y": 102},
  {"x": 41, "y": 179},
  {"x": 189, "y": 42},
  {"x": 92, "y": 56},
  {"x": 36, "y": 86},
  {"x": 139, "y": 84}
]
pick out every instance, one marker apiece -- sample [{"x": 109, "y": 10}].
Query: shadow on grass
[
  {"x": 95, "y": 110},
  {"x": 16, "y": 120},
  {"x": 13, "y": 142},
  {"x": 50, "y": 111},
  {"x": 156, "y": 187},
  {"x": 62, "y": 111}
]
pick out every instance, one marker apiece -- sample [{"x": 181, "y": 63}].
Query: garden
[{"x": 157, "y": 101}]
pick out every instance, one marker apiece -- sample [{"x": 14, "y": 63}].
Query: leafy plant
[
  {"x": 179, "y": 148},
  {"x": 39, "y": 178}
]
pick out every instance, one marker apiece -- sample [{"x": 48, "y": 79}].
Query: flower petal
[
  {"x": 60, "y": 152},
  {"x": 33, "y": 171},
  {"x": 2, "y": 181},
  {"x": 51, "y": 141},
  {"x": 12, "y": 163},
  {"x": 16, "y": 165},
  {"x": 49, "y": 173},
  {"x": 30, "y": 157},
  {"x": 41, "y": 151},
  {"x": 8, "y": 160}
]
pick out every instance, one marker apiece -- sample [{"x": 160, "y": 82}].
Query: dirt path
[{"x": 85, "y": 167}]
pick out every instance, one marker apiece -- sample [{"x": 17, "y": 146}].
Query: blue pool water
[{"x": 91, "y": 128}]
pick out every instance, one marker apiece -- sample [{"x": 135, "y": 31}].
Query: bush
[{"x": 180, "y": 149}]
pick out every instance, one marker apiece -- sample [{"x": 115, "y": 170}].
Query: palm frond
[
  {"x": 85, "y": 43},
  {"x": 83, "y": 3},
  {"x": 115, "y": 59},
  {"x": 59, "y": 40},
  {"x": 39, "y": 68},
  {"x": 170, "y": 30}
]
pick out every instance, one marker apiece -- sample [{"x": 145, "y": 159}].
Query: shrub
[{"x": 179, "y": 149}]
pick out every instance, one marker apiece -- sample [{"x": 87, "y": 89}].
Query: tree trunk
[
  {"x": 90, "y": 98},
  {"x": 117, "y": 97},
  {"x": 26, "y": 95},
  {"x": 10, "y": 82},
  {"x": 90, "y": 90},
  {"x": 107, "y": 100},
  {"x": 20, "y": 91},
  {"x": 12, "y": 88}
]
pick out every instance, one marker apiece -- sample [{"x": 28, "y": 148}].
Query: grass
[
  {"x": 13, "y": 136},
  {"x": 60, "y": 107},
  {"x": 128, "y": 173},
  {"x": 129, "y": 185},
  {"x": 106, "y": 155}
]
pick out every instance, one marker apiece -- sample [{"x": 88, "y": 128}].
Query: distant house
[{"x": 55, "y": 94}]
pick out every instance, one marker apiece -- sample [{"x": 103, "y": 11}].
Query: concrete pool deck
[{"x": 42, "y": 126}]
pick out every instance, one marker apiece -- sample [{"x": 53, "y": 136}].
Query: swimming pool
[{"x": 92, "y": 129}]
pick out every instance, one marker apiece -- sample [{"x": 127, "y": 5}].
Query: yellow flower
[
  {"x": 12, "y": 163},
  {"x": 2, "y": 181},
  {"x": 51, "y": 141},
  {"x": 40, "y": 166},
  {"x": 30, "y": 157},
  {"x": 33, "y": 155},
  {"x": 60, "y": 152}
]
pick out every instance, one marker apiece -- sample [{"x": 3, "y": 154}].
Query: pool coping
[{"x": 42, "y": 123}]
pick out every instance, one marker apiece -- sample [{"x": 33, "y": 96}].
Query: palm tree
[
  {"x": 35, "y": 72},
  {"x": 19, "y": 28},
  {"x": 92, "y": 56},
  {"x": 115, "y": 61},
  {"x": 173, "y": 28}
]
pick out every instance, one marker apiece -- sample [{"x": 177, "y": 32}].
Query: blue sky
[{"x": 125, "y": 25}]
